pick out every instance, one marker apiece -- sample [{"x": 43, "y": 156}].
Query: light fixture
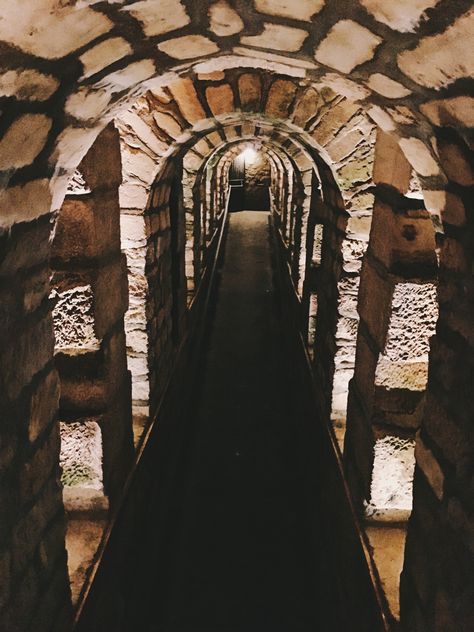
[{"x": 249, "y": 155}]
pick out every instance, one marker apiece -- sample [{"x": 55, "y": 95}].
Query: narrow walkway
[{"x": 246, "y": 557}]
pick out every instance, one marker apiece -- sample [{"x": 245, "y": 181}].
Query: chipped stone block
[
  {"x": 220, "y": 99},
  {"x": 347, "y": 45},
  {"x": 280, "y": 98},
  {"x": 392, "y": 479},
  {"x": 403, "y": 15},
  {"x": 188, "y": 47},
  {"x": 26, "y": 84},
  {"x": 224, "y": 20},
  {"x": 102, "y": 55},
  {"x": 170, "y": 15},
  {"x": 24, "y": 140},
  {"x": 387, "y": 87},
  {"x": 302, "y": 10},
  {"x": 184, "y": 93},
  {"x": 81, "y": 454},
  {"x": 73, "y": 317},
  {"x": 277, "y": 37}
]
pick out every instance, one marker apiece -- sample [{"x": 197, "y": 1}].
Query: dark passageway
[{"x": 245, "y": 557}]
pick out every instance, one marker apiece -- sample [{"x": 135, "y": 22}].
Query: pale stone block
[
  {"x": 86, "y": 104},
  {"x": 159, "y": 16},
  {"x": 250, "y": 88},
  {"x": 457, "y": 110},
  {"x": 224, "y": 20},
  {"x": 387, "y": 87},
  {"x": 184, "y": 94},
  {"x": 143, "y": 132},
  {"x": 449, "y": 206},
  {"x": 439, "y": 60},
  {"x": 419, "y": 156},
  {"x": 430, "y": 467},
  {"x": 345, "y": 87},
  {"x": 27, "y": 84},
  {"x": 220, "y": 99},
  {"x": 24, "y": 202},
  {"x": 71, "y": 146},
  {"x": 48, "y": 29},
  {"x": 104, "y": 54},
  {"x": 280, "y": 98},
  {"x": 382, "y": 118},
  {"x": 347, "y": 45},
  {"x": 168, "y": 124},
  {"x": 277, "y": 37},
  {"x": 403, "y": 15},
  {"x": 307, "y": 107},
  {"x": 129, "y": 76},
  {"x": 73, "y": 317},
  {"x": 81, "y": 454},
  {"x": 188, "y": 47},
  {"x": 390, "y": 165},
  {"x": 301, "y": 10},
  {"x": 24, "y": 140}
]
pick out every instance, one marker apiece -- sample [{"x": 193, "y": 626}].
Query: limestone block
[
  {"x": 27, "y": 246},
  {"x": 133, "y": 196},
  {"x": 143, "y": 132},
  {"x": 50, "y": 30},
  {"x": 403, "y": 15},
  {"x": 390, "y": 165},
  {"x": 43, "y": 405},
  {"x": 220, "y": 99},
  {"x": 87, "y": 104},
  {"x": 81, "y": 454},
  {"x": 73, "y": 318},
  {"x": 184, "y": 94},
  {"x": 188, "y": 47},
  {"x": 392, "y": 479},
  {"x": 419, "y": 156},
  {"x": 307, "y": 107},
  {"x": 347, "y": 45},
  {"x": 440, "y": 59},
  {"x": 449, "y": 205},
  {"x": 168, "y": 124},
  {"x": 280, "y": 97},
  {"x": 129, "y": 76},
  {"x": 450, "y": 112},
  {"x": 72, "y": 145},
  {"x": 301, "y": 10},
  {"x": 26, "y": 84},
  {"x": 102, "y": 55},
  {"x": 24, "y": 140},
  {"x": 456, "y": 163},
  {"x": 110, "y": 295},
  {"x": 250, "y": 90},
  {"x": 382, "y": 118},
  {"x": 158, "y": 17},
  {"x": 333, "y": 121},
  {"x": 277, "y": 37},
  {"x": 387, "y": 87},
  {"x": 24, "y": 202},
  {"x": 430, "y": 467},
  {"x": 375, "y": 297},
  {"x": 224, "y": 20}
]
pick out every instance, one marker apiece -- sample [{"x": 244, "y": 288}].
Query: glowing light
[{"x": 249, "y": 155}]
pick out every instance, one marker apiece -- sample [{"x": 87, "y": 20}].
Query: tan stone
[
  {"x": 455, "y": 164},
  {"x": 277, "y": 37},
  {"x": 301, "y": 10},
  {"x": 430, "y": 467},
  {"x": 220, "y": 99},
  {"x": 449, "y": 206},
  {"x": 250, "y": 90},
  {"x": 457, "y": 110},
  {"x": 382, "y": 118},
  {"x": 419, "y": 156},
  {"x": 168, "y": 124},
  {"x": 345, "y": 87},
  {"x": 27, "y": 84},
  {"x": 307, "y": 107},
  {"x": 280, "y": 98},
  {"x": 438, "y": 60},
  {"x": 403, "y": 15},
  {"x": 390, "y": 165},
  {"x": 282, "y": 64},
  {"x": 71, "y": 146},
  {"x": 24, "y": 140},
  {"x": 48, "y": 30},
  {"x": 224, "y": 20},
  {"x": 104, "y": 54},
  {"x": 387, "y": 87},
  {"x": 188, "y": 47},
  {"x": 129, "y": 76},
  {"x": 184, "y": 94},
  {"x": 159, "y": 18},
  {"x": 87, "y": 104},
  {"x": 347, "y": 45},
  {"x": 402, "y": 115},
  {"x": 217, "y": 75},
  {"x": 334, "y": 120}
]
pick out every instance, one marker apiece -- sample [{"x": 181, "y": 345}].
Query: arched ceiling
[{"x": 69, "y": 67}]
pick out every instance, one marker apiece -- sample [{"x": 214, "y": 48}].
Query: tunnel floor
[{"x": 245, "y": 549}]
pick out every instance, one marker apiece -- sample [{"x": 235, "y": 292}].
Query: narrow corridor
[{"x": 245, "y": 556}]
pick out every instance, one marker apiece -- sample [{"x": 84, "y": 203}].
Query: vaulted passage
[{"x": 245, "y": 548}]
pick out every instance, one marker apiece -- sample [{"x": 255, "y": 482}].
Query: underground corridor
[{"x": 236, "y": 316}]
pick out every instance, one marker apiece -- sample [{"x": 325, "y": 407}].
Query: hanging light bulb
[{"x": 248, "y": 155}]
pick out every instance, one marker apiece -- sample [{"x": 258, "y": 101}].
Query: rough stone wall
[
  {"x": 90, "y": 286},
  {"x": 437, "y": 592}
]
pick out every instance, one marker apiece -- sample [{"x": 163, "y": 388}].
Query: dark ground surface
[{"x": 243, "y": 555}]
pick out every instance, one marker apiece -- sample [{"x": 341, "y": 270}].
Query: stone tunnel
[{"x": 236, "y": 316}]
